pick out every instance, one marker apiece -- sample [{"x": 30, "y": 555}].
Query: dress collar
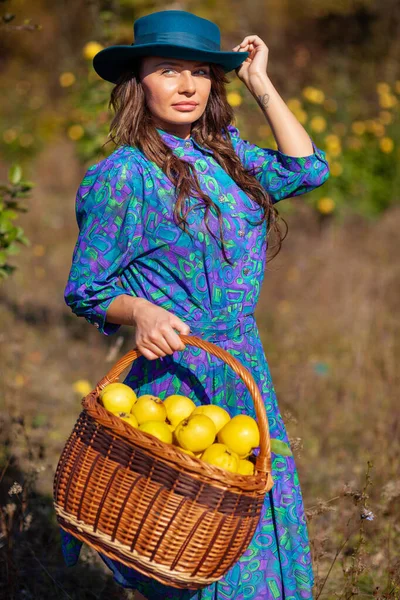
[{"x": 174, "y": 141}]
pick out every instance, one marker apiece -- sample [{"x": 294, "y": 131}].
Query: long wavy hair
[{"x": 133, "y": 125}]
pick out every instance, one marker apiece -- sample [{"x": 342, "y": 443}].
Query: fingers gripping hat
[{"x": 168, "y": 33}]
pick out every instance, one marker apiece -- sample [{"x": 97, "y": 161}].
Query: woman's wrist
[
  {"x": 136, "y": 304},
  {"x": 261, "y": 87},
  {"x": 123, "y": 310}
]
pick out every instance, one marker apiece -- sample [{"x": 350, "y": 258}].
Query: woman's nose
[{"x": 187, "y": 82}]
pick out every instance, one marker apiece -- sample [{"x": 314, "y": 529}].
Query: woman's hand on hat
[{"x": 255, "y": 65}]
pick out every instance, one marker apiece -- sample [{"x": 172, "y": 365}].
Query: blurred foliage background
[{"x": 327, "y": 313}]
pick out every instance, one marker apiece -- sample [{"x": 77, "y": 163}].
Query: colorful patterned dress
[{"x": 128, "y": 243}]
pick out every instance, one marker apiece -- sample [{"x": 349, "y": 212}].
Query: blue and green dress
[{"x": 129, "y": 243}]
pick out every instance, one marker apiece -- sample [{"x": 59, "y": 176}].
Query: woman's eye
[{"x": 204, "y": 71}]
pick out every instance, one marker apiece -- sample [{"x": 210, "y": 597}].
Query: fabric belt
[{"x": 222, "y": 324}]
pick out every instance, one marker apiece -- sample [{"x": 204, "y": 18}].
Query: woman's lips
[{"x": 184, "y": 106}]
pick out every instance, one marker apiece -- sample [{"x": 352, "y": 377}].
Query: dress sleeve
[
  {"x": 281, "y": 175},
  {"x": 108, "y": 213}
]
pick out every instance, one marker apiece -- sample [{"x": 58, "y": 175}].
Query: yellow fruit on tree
[
  {"x": 129, "y": 418},
  {"x": 149, "y": 408},
  {"x": 90, "y": 49},
  {"x": 178, "y": 408},
  {"x": 118, "y": 397},
  {"x": 234, "y": 98},
  {"x": 240, "y": 434},
  {"x": 159, "y": 429},
  {"x": 245, "y": 467},
  {"x": 83, "y": 387},
  {"x": 219, "y": 415},
  {"x": 220, "y": 456},
  {"x": 195, "y": 433}
]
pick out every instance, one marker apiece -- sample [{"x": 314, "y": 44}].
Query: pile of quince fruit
[{"x": 206, "y": 431}]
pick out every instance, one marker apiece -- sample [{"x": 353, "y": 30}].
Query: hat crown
[
  {"x": 169, "y": 33},
  {"x": 163, "y": 25}
]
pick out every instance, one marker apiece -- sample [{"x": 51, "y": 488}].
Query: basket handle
[{"x": 263, "y": 461}]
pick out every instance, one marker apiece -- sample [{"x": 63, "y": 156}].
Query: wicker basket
[{"x": 145, "y": 503}]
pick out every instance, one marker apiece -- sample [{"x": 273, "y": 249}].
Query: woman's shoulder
[
  {"x": 118, "y": 174},
  {"x": 122, "y": 164}
]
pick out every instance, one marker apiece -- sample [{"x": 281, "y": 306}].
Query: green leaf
[
  {"x": 22, "y": 194},
  {"x": 24, "y": 240},
  {"x": 14, "y": 174},
  {"x": 9, "y": 214},
  {"x": 39, "y": 420},
  {"x": 13, "y": 249},
  {"x": 6, "y": 226},
  {"x": 106, "y": 15},
  {"x": 12, "y": 234},
  {"x": 279, "y": 447},
  {"x": 26, "y": 186}
]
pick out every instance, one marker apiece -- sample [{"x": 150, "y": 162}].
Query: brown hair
[{"x": 133, "y": 125}]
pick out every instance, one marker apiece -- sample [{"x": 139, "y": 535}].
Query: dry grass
[{"x": 327, "y": 316}]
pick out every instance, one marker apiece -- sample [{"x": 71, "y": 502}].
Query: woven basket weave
[{"x": 145, "y": 503}]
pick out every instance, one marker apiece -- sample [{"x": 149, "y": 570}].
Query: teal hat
[{"x": 169, "y": 33}]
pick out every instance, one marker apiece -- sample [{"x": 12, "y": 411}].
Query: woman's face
[{"x": 168, "y": 81}]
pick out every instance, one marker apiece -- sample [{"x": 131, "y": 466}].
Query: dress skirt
[{"x": 277, "y": 564}]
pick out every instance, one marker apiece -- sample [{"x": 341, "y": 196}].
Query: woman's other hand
[{"x": 155, "y": 335}]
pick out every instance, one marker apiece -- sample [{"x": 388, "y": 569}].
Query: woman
[{"x": 148, "y": 214}]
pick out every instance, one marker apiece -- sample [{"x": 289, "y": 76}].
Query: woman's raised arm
[{"x": 281, "y": 175}]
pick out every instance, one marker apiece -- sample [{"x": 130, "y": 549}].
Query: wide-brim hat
[{"x": 171, "y": 34}]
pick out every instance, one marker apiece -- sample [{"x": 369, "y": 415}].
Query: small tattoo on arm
[{"x": 263, "y": 100}]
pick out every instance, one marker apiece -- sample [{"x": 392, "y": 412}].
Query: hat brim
[{"x": 111, "y": 62}]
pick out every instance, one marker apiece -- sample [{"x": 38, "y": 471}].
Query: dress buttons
[
  {"x": 241, "y": 232},
  {"x": 97, "y": 325},
  {"x": 187, "y": 144},
  {"x": 246, "y": 270}
]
